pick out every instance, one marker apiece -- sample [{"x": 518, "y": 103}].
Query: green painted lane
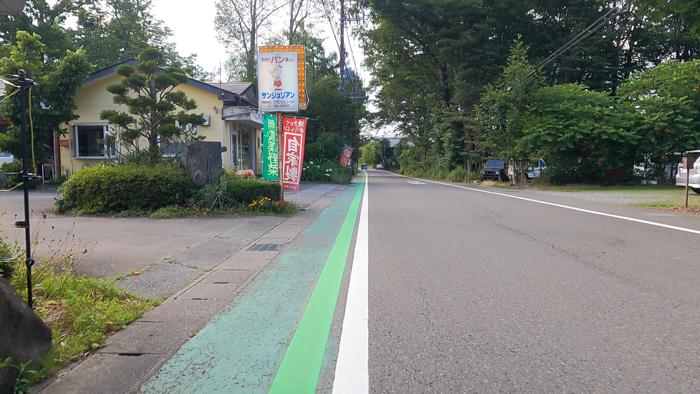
[
  {"x": 302, "y": 363},
  {"x": 241, "y": 350}
]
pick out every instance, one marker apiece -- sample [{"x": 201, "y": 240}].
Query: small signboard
[
  {"x": 346, "y": 157},
  {"x": 270, "y": 158},
  {"x": 294, "y": 139},
  {"x": 281, "y": 79}
]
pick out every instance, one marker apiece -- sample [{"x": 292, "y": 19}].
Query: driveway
[{"x": 111, "y": 247}]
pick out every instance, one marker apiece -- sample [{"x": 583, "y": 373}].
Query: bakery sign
[{"x": 281, "y": 79}]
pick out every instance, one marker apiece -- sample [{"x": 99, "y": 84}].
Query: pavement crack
[{"x": 177, "y": 262}]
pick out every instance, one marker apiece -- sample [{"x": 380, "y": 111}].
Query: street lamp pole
[{"x": 24, "y": 84}]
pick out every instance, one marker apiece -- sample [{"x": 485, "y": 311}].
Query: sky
[{"x": 194, "y": 32}]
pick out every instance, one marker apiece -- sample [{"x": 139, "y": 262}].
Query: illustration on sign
[
  {"x": 270, "y": 148},
  {"x": 281, "y": 78},
  {"x": 294, "y": 138}
]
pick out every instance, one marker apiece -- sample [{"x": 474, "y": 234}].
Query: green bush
[
  {"x": 114, "y": 189},
  {"x": 459, "y": 174},
  {"x": 7, "y": 260},
  {"x": 329, "y": 171},
  {"x": 232, "y": 190},
  {"x": 328, "y": 146},
  {"x": 12, "y": 173}
]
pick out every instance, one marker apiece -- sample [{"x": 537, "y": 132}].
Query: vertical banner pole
[
  {"x": 280, "y": 154},
  {"x": 687, "y": 178}
]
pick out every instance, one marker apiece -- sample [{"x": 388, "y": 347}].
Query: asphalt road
[{"x": 475, "y": 292}]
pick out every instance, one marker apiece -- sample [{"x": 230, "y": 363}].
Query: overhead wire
[
  {"x": 9, "y": 95},
  {"x": 7, "y": 82},
  {"x": 573, "y": 42},
  {"x": 330, "y": 21},
  {"x": 356, "y": 70}
]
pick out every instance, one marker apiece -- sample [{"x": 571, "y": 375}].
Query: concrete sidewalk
[
  {"x": 167, "y": 254},
  {"x": 133, "y": 355}
]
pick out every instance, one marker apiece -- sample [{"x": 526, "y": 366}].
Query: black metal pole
[{"x": 29, "y": 262}]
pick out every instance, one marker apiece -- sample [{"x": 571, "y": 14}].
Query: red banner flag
[
  {"x": 294, "y": 139},
  {"x": 346, "y": 157}
]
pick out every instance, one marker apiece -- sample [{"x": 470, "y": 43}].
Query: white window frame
[{"x": 105, "y": 133}]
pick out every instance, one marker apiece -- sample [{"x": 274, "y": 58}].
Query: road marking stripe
[
  {"x": 627, "y": 218},
  {"x": 351, "y": 369},
  {"x": 301, "y": 365}
]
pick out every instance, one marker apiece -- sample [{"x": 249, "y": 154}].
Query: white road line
[
  {"x": 627, "y": 218},
  {"x": 351, "y": 369}
]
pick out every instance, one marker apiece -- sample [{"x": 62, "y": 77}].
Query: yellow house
[{"x": 230, "y": 117}]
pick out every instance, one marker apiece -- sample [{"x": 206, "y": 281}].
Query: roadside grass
[
  {"x": 670, "y": 204},
  {"x": 635, "y": 189},
  {"x": 667, "y": 197},
  {"x": 81, "y": 311},
  {"x": 176, "y": 211}
]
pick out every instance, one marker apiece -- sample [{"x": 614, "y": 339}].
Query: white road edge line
[
  {"x": 627, "y": 218},
  {"x": 352, "y": 367}
]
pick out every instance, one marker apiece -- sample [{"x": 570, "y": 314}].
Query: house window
[
  {"x": 92, "y": 141},
  {"x": 174, "y": 147}
]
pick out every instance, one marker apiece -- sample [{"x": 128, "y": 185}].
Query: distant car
[
  {"x": 363, "y": 166},
  {"x": 379, "y": 166},
  {"x": 6, "y": 157},
  {"x": 694, "y": 176},
  {"x": 495, "y": 170}
]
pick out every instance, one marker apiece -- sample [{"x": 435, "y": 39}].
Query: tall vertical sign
[
  {"x": 294, "y": 139},
  {"x": 270, "y": 159}
]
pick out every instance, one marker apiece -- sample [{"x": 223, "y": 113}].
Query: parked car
[
  {"x": 495, "y": 170},
  {"x": 535, "y": 170},
  {"x": 363, "y": 167},
  {"x": 379, "y": 166},
  {"x": 531, "y": 172},
  {"x": 694, "y": 176},
  {"x": 6, "y": 157}
]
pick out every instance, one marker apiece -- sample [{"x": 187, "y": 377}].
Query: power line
[
  {"x": 575, "y": 41},
  {"x": 330, "y": 21}
]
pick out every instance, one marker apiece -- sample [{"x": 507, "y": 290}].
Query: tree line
[
  {"x": 60, "y": 43},
  {"x": 458, "y": 78}
]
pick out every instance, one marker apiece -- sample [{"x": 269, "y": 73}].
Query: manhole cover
[{"x": 264, "y": 247}]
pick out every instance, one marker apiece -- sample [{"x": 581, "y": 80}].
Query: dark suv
[{"x": 494, "y": 170}]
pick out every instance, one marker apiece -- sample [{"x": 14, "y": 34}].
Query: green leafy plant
[
  {"x": 268, "y": 205},
  {"x": 81, "y": 311},
  {"x": 329, "y": 171},
  {"x": 156, "y": 112},
  {"x": 232, "y": 191},
  {"x": 113, "y": 189},
  {"x": 8, "y": 256}
]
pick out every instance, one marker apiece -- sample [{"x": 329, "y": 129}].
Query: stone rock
[
  {"x": 25, "y": 337},
  {"x": 203, "y": 161}
]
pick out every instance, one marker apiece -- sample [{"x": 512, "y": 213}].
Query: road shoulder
[{"x": 134, "y": 354}]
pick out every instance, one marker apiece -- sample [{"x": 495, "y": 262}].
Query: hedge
[
  {"x": 328, "y": 171},
  {"x": 114, "y": 189}
]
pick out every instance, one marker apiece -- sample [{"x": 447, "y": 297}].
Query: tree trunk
[
  {"x": 291, "y": 22},
  {"x": 250, "y": 61}
]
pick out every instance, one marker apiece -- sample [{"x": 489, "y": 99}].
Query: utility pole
[{"x": 342, "y": 46}]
